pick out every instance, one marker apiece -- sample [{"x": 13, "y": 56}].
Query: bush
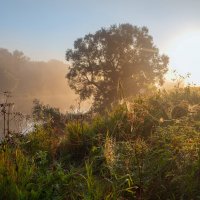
[
  {"x": 77, "y": 143},
  {"x": 148, "y": 148}
]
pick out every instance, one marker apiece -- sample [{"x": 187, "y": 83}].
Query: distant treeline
[{"x": 28, "y": 80}]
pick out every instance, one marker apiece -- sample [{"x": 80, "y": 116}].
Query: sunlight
[{"x": 183, "y": 51}]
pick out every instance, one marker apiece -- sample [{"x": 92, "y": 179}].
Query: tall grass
[{"x": 145, "y": 149}]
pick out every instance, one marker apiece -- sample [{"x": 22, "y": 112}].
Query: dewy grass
[{"x": 122, "y": 154}]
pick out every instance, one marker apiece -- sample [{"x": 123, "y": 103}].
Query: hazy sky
[{"x": 44, "y": 29}]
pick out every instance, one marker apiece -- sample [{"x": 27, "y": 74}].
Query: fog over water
[{"x": 28, "y": 80}]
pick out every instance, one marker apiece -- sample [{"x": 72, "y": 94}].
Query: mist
[{"x": 28, "y": 80}]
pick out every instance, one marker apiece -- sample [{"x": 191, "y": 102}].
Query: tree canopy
[{"x": 117, "y": 57}]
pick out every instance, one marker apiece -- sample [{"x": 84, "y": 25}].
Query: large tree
[{"x": 121, "y": 56}]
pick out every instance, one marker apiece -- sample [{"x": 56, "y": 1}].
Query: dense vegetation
[{"x": 144, "y": 148}]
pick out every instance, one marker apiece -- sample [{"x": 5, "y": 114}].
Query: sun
[{"x": 184, "y": 53}]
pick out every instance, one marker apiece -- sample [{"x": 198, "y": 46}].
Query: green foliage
[
  {"x": 137, "y": 151},
  {"x": 16, "y": 172},
  {"x": 41, "y": 139},
  {"x": 76, "y": 145},
  {"x": 49, "y": 115}
]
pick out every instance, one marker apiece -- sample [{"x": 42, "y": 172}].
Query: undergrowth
[{"x": 147, "y": 148}]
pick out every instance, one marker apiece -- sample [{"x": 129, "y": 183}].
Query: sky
[{"x": 45, "y": 29}]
